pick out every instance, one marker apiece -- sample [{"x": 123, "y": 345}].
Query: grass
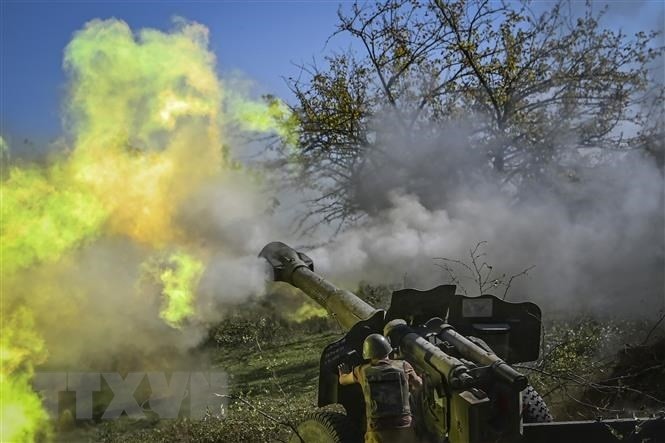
[
  {"x": 279, "y": 379},
  {"x": 292, "y": 365},
  {"x": 273, "y": 378}
]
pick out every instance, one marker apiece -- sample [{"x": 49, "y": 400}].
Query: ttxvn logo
[{"x": 168, "y": 395}]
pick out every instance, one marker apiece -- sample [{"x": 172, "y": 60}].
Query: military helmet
[{"x": 376, "y": 346}]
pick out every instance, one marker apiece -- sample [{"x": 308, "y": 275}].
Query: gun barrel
[
  {"x": 297, "y": 269},
  {"x": 419, "y": 349},
  {"x": 474, "y": 352}
]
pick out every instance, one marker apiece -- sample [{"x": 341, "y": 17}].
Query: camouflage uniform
[{"x": 385, "y": 386}]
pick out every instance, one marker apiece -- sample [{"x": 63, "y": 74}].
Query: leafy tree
[{"x": 535, "y": 89}]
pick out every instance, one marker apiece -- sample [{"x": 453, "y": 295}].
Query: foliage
[
  {"x": 376, "y": 295},
  {"x": 241, "y": 424},
  {"x": 273, "y": 387},
  {"x": 242, "y": 330},
  {"x": 274, "y": 384},
  {"x": 537, "y": 90},
  {"x": 576, "y": 373},
  {"x": 268, "y": 323}
]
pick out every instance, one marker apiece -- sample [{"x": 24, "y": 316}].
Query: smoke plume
[
  {"x": 592, "y": 230},
  {"x": 136, "y": 235}
]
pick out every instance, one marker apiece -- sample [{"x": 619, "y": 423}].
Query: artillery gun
[{"x": 461, "y": 346}]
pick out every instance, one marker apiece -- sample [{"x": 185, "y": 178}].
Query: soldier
[{"x": 385, "y": 384}]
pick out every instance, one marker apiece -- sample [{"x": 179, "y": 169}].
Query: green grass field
[
  {"x": 270, "y": 384},
  {"x": 273, "y": 382}
]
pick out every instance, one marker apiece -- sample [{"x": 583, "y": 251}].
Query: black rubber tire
[
  {"x": 325, "y": 427},
  {"x": 534, "y": 408}
]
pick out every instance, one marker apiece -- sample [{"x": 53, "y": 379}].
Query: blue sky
[{"x": 262, "y": 39}]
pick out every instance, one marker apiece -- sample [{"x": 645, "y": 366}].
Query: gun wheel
[
  {"x": 325, "y": 427},
  {"x": 534, "y": 408}
]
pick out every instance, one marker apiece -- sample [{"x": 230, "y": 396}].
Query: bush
[
  {"x": 579, "y": 358},
  {"x": 246, "y": 329}
]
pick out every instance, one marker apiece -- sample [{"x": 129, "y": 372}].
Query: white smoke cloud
[{"x": 596, "y": 242}]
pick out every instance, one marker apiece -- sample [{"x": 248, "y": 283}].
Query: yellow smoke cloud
[
  {"x": 21, "y": 416},
  {"x": 145, "y": 129},
  {"x": 269, "y": 115},
  {"x": 178, "y": 276},
  {"x": 307, "y": 311},
  {"x": 44, "y": 214},
  {"x": 146, "y": 117}
]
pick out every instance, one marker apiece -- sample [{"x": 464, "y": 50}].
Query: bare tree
[
  {"x": 479, "y": 272},
  {"x": 536, "y": 89}
]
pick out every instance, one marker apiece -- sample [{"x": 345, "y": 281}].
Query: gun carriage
[{"x": 461, "y": 346}]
